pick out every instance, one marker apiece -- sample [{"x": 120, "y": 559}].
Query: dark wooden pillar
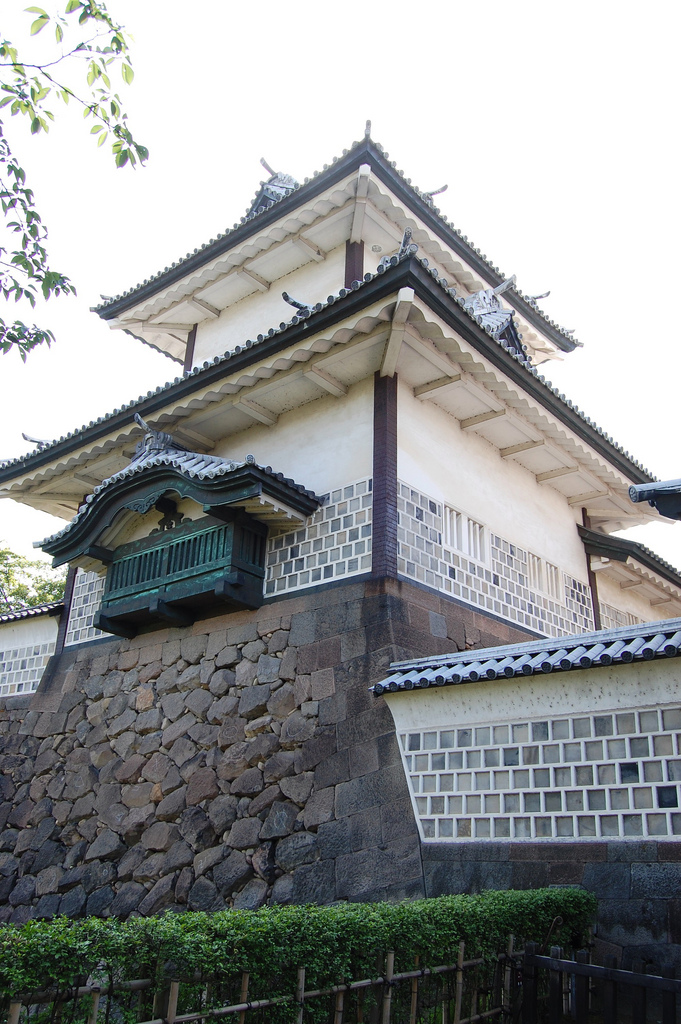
[
  {"x": 354, "y": 262},
  {"x": 384, "y": 543},
  {"x": 591, "y": 577},
  {"x": 189, "y": 351}
]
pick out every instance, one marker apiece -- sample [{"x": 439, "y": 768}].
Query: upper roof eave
[
  {"x": 366, "y": 151},
  {"x": 409, "y": 272}
]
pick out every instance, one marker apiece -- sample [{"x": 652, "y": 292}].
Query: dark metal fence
[
  {"x": 514, "y": 987},
  {"x": 556, "y": 989}
]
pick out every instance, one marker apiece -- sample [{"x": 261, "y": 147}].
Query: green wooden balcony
[{"x": 176, "y": 576}]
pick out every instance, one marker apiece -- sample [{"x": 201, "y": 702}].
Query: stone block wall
[
  {"x": 637, "y": 883},
  {"x": 243, "y": 761},
  {"x": 237, "y": 762}
]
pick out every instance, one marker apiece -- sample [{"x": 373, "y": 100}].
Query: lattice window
[
  {"x": 535, "y": 571},
  {"x": 426, "y": 534},
  {"x": 554, "y": 583},
  {"x": 464, "y": 534}
]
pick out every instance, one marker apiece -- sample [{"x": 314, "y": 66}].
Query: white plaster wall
[
  {"x": 321, "y": 445},
  {"x": 461, "y": 469},
  {"x": 590, "y": 691},
  {"x": 256, "y": 313},
  {"x": 25, "y": 632},
  {"x": 630, "y": 600}
]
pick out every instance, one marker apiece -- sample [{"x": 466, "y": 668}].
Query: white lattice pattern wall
[
  {"x": 334, "y": 543},
  {"x": 21, "y": 668},
  {"x": 87, "y": 596},
  {"x": 594, "y": 776},
  {"x": 444, "y": 549}
]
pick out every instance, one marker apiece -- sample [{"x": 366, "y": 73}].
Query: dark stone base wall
[
  {"x": 637, "y": 883},
  {"x": 243, "y": 761},
  {"x": 237, "y": 762}
]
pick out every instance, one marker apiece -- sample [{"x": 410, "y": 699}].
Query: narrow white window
[
  {"x": 535, "y": 569},
  {"x": 465, "y": 534},
  {"x": 553, "y": 582}
]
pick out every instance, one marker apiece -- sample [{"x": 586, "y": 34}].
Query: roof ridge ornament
[
  {"x": 436, "y": 191},
  {"x": 505, "y": 285},
  {"x": 154, "y": 442},
  {"x": 486, "y": 307},
  {"x": 278, "y": 186},
  {"x": 37, "y": 441},
  {"x": 304, "y": 307},
  {"x": 407, "y": 248}
]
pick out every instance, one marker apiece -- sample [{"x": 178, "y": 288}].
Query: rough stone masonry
[{"x": 234, "y": 763}]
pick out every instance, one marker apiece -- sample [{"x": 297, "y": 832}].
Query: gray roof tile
[
  {"x": 642, "y": 642},
  {"x": 189, "y": 464},
  {"x": 34, "y": 612}
]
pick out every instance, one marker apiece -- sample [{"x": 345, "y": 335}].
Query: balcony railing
[{"x": 175, "y": 576}]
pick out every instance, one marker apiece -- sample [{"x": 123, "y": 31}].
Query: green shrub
[{"x": 333, "y": 943}]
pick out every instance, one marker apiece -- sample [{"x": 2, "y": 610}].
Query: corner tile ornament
[
  {"x": 277, "y": 187},
  {"x": 664, "y": 496},
  {"x": 485, "y": 305}
]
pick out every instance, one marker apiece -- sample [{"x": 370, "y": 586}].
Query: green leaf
[
  {"x": 36, "y": 10},
  {"x": 59, "y": 33},
  {"x": 73, "y": 5},
  {"x": 128, "y": 73},
  {"x": 39, "y": 24},
  {"x": 35, "y": 126},
  {"x": 96, "y": 128}
]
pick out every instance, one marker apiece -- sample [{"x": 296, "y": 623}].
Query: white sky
[{"x": 555, "y": 126}]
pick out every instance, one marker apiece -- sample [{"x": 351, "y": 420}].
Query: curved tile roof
[
  {"x": 52, "y": 608},
  {"x": 585, "y": 650},
  {"x": 189, "y": 464},
  {"x": 304, "y": 315},
  {"x": 289, "y": 186}
]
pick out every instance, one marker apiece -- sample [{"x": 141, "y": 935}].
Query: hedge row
[{"x": 333, "y": 943}]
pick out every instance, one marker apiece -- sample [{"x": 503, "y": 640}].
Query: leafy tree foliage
[
  {"x": 24, "y": 583},
  {"x": 89, "y": 42}
]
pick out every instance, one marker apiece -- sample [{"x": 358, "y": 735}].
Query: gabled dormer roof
[
  {"x": 160, "y": 464},
  {"x": 280, "y": 198}
]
